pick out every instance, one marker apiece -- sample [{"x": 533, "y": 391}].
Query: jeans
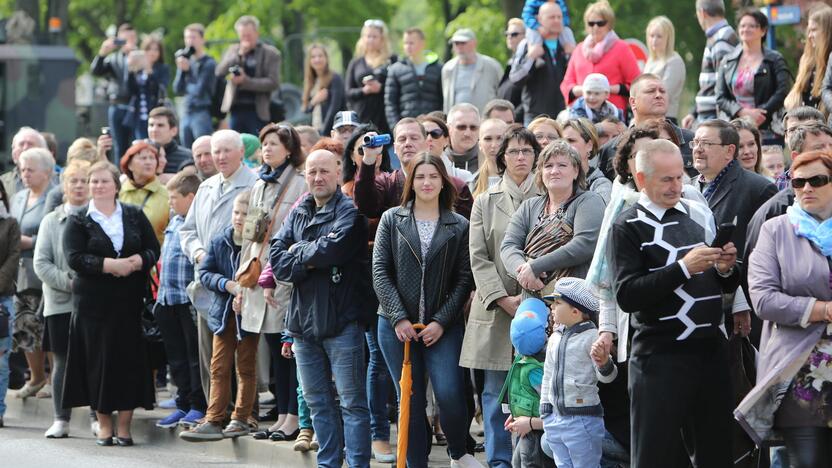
[
  {"x": 497, "y": 439},
  {"x": 140, "y": 130},
  {"x": 441, "y": 362},
  {"x": 341, "y": 357},
  {"x": 245, "y": 121},
  {"x": 5, "y": 352},
  {"x": 529, "y": 452},
  {"x": 121, "y": 134},
  {"x": 614, "y": 455},
  {"x": 779, "y": 457},
  {"x": 576, "y": 441},
  {"x": 195, "y": 123},
  {"x": 378, "y": 387},
  {"x": 179, "y": 335}
]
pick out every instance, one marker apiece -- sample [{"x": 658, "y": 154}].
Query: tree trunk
[{"x": 511, "y": 8}]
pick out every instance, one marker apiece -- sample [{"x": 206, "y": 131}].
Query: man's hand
[
  {"x": 701, "y": 258},
  {"x": 727, "y": 258},
  {"x": 431, "y": 334},
  {"x": 108, "y": 46},
  {"x": 239, "y": 79},
  {"x": 232, "y": 287},
  {"x": 183, "y": 64},
  {"x": 105, "y": 144},
  {"x": 687, "y": 121},
  {"x": 535, "y": 52},
  {"x": 604, "y": 341},
  {"x": 509, "y": 304},
  {"x": 742, "y": 322}
]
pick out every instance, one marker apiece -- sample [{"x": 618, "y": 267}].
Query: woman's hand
[
  {"x": 405, "y": 331},
  {"x": 527, "y": 279},
  {"x": 135, "y": 261},
  {"x": 509, "y": 304},
  {"x": 119, "y": 267},
  {"x": 758, "y": 116},
  {"x": 286, "y": 351},
  {"x": 319, "y": 97},
  {"x": 237, "y": 304},
  {"x": 431, "y": 334},
  {"x": 577, "y": 91},
  {"x": 371, "y": 87},
  {"x": 268, "y": 295}
]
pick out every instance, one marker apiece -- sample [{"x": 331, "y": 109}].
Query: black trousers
[
  {"x": 683, "y": 391},
  {"x": 809, "y": 447},
  {"x": 179, "y": 336},
  {"x": 284, "y": 376}
]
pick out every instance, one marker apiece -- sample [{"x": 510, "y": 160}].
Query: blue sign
[{"x": 782, "y": 14}]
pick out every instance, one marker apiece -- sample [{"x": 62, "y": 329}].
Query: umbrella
[{"x": 406, "y": 387}]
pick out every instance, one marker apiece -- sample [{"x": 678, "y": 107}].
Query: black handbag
[{"x": 150, "y": 328}]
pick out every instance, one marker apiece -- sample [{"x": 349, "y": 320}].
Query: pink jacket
[{"x": 619, "y": 65}]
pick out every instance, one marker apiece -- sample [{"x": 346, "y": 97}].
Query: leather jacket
[{"x": 398, "y": 274}]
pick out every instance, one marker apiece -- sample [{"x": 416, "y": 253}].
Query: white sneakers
[
  {"x": 58, "y": 430},
  {"x": 467, "y": 461}
]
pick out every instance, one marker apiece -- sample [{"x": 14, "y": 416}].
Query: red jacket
[{"x": 619, "y": 65}]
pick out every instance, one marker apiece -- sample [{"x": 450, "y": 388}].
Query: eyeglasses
[
  {"x": 546, "y": 136},
  {"x": 436, "y": 133},
  {"x": 512, "y": 34},
  {"x": 693, "y": 144},
  {"x": 375, "y": 23},
  {"x": 462, "y": 128},
  {"x": 515, "y": 152},
  {"x": 817, "y": 181},
  {"x": 600, "y": 24}
]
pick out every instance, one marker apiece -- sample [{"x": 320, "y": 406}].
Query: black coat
[
  {"x": 397, "y": 268},
  {"x": 334, "y": 103},
  {"x": 327, "y": 265},
  {"x": 369, "y": 107},
  {"x": 541, "y": 84},
  {"x": 408, "y": 95},
  {"x": 772, "y": 82}
]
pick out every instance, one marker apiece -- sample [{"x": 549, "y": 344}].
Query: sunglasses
[
  {"x": 817, "y": 181},
  {"x": 512, "y": 34},
  {"x": 462, "y": 128},
  {"x": 375, "y": 23},
  {"x": 436, "y": 133},
  {"x": 600, "y": 24}
]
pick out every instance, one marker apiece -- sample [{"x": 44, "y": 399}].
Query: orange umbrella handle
[{"x": 416, "y": 326}]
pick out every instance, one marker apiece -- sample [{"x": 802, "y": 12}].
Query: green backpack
[{"x": 523, "y": 399}]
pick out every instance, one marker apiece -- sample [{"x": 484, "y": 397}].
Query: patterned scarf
[
  {"x": 816, "y": 232},
  {"x": 270, "y": 176},
  {"x": 595, "y": 52},
  {"x": 711, "y": 188}
]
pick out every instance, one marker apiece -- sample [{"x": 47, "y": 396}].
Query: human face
[
  {"x": 322, "y": 175},
  {"x": 491, "y": 137},
  {"x": 179, "y": 203},
  {"x": 194, "y": 38},
  {"x": 76, "y": 188},
  {"x": 710, "y": 156},
  {"x": 413, "y": 45},
  {"x": 747, "y": 156},
  {"x": 436, "y": 145},
  {"x": 143, "y": 166},
  {"x": 201, "y": 150},
  {"x": 749, "y": 31},
  {"x": 248, "y": 36},
  {"x": 343, "y": 133},
  {"x": 273, "y": 152},
  {"x": 773, "y": 163},
  {"x": 427, "y": 183},
  {"x": 465, "y": 50},
  {"x": 816, "y": 201},
  {"x": 409, "y": 142},
  {"x": 357, "y": 155},
  {"x": 317, "y": 60},
  {"x": 819, "y": 142},
  {"x": 594, "y": 27},
  {"x": 559, "y": 174},
  {"x": 24, "y": 141},
  {"x": 610, "y": 131},
  {"x": 650, "y": 100},
  {"x": 545, "y": 134},
  {"x": 584, "y": 148},
  {"x": 160, "y": 131},
  {"x": 595, "y": 99},
  {"x": 464, "y": 130},
  {"x": 33, "y": 175},
  {"x": 227, "y": 156},
  {"x": 102, "y": 186},
  {"x": 550, "y": 17},
  {"x": 564, "y": 314},
  {"x": 372, "y": 39},
  {"x": 238, "y": 216},
  {"x": 519, "y": 159},
  {"x": 130, "y": 37},
  {"x": 664, "y": 186},
  {"x": 656, "y": 40},
  {"x": 514, "y": 34},
  {"x": 152, "y": 53},
  {"x": 812, "y": 30},
  {"x": 792, "y": 123}
]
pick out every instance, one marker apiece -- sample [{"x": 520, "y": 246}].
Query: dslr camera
[
  {"x": 186, "y": 52},
  {"x": 235, "y": 70}
]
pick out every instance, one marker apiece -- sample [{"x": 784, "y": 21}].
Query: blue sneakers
[
  {"x": 191, "y": 419},
  {"x": 172, "y": 420}
]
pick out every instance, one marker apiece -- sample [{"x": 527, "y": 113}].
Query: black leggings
[
  {"x": 285, "y": 376},
  {"x": 809, "y": 447}
]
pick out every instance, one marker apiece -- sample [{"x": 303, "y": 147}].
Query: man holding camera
[
  {"x": 111, "y": 62},
  {"x": 195, "y": 80},
  {"x": 255, "y": 73}
]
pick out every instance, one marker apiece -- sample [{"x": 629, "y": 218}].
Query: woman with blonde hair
[
  {"x": 367, "y": 72},
  {"x": 665, "y": 62},
  {"x": 323, "y": 89},
  {"x": 811, "y": 87},
  {"x": 545, "y": 130}
]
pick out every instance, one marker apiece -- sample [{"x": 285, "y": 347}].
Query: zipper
[{"x": 418, "y": 258}]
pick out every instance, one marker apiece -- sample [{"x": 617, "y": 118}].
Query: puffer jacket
[
  {"x": 323, "y": 254},
  {"x": 406, "y": 95},
  {"x": 398, "y": 275},
  {"x": 218, "y": 268}
]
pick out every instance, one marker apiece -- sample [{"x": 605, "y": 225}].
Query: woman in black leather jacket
[
  {"x": 422, "y": 275},
  {"x": 753, "y": 80}
]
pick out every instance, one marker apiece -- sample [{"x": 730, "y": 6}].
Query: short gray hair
[
  {"x": 40, "y": 156},
  {"x": 462, "y": 107},
  {"x": 30, "y": 130},
  {"x": 797, "y": 138},
  {"x": 560, "y": 147},
  {"x": 711, "y": 7},
  {"x": 227, "y": 135},
  {"x": 645, "y": 156},
  {"x": 247, "y": 20}
]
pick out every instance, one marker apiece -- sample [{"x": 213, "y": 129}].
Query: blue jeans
[
  {"x": 122, "y": 134},
  {"x": 497, "y": 439},
  {"x": 614, "y": 455},
  {"x": 441, "y": 363},
  {"x": 779, "y": 457},
  {"x": 195, "y": 123},
  {"x": 245, "y": 121},
  {"x": 378, "y": 386},
  {"x": 5, "y": 352},
  {"x": 341, "y": 356},
  {"x": 575, "y": 441},
  {"x": 140, "y": 131}
]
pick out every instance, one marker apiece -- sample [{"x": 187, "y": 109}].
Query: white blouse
[{"x": 113, "y": 225}]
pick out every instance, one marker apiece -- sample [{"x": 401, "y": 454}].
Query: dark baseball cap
[{"x": 346, "y": 118}]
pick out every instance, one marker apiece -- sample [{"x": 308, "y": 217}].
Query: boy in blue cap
[{"x": 569, "y": 403}]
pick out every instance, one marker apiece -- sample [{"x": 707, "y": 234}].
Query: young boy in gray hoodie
[{"x": 569, "y": 402}]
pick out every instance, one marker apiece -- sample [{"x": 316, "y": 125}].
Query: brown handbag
[{"x": 249, "y": 272}]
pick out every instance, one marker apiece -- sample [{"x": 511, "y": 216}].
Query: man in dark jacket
[
  {"x": 414, "y": 85},
  {"x": 162, "y": 129},
  {"x": 322, "y": 250},
  {"x": 195, "y": 80},
  {"x": 540, "y": 68}
]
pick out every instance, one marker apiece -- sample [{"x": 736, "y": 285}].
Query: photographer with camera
[
  {"x": 195, "y": 80},
  {"x": 255, "y": 73},
  {"x": 111, "y": 63}
]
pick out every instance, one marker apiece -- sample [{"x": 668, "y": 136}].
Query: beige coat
[
  {"x": 257, "y": 316},
  {"x": 487, "y": 344}
]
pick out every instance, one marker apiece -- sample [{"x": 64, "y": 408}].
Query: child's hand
[
  {"x": 268, "y": 295},
  {"x": 507, "y": 423},
  {"x": 237, "y": 304},
  {"x": 286, "y": 351},
  {"x": 521, "y": 426},
  {"x": 598, "y": 354}
]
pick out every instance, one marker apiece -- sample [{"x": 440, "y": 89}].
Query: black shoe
[
  {"x": 479, "y": 448},
  {"x": 124, "y": 441},
  {"x": 105, "y": 442},
  {"x": 262, "y": 435},
  {"x": 280, "y": 436},
  {"x": 270, "y": 415}
]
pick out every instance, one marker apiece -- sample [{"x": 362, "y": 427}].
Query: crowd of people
[{"x": 551, "y": 246}]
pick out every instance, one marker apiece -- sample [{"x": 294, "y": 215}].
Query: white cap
[{"x": 596, "y": 82}]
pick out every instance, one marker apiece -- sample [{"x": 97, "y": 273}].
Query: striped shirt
[{"x": 722, "y": 39}]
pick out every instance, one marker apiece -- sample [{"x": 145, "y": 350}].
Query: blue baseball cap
[{"x": 528, "y": 327}]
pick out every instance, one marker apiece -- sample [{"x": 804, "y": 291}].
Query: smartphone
[
  {"x": 105, "y": 131},
  {"x": 119, "y": 42},
  {"x": 724, "y": 233},
  {"x": 368, "y": 79}
]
